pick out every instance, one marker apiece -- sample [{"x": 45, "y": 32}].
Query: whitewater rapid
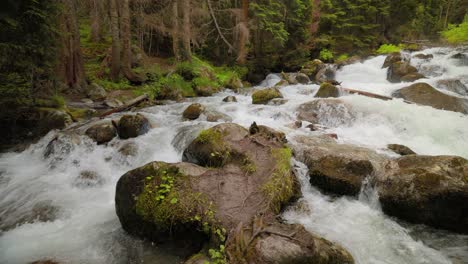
[{"x": 86, "y": 228}]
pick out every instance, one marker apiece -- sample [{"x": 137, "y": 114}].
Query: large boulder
[
  {"x": 193, "y": 205},
  {"x": 432, "y": 190},
  {"x": 95, "y": 92},
  {"x": 131, "y": 126},
  {"x": 453, "y": 85},
  {"x": 329, "y": 112},
  {"x": 337, "y": 168},
  {"x": 392, "y": 58},
  {"x": 399, "y": 70},
  {"x": 327, "y": 90},
  {"x": 302, "y": 78},
  {"x": 102, "y": 133},
  {"x": 265, "y": 95},
  {"x": 424, "y": 94},
  {"x": 193, "y": 111}
]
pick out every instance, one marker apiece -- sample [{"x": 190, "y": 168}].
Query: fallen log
[
  {"x": 372, "y": 95},
  {"x": 126, "y": 106}
]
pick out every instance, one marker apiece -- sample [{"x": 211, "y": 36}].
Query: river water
[{"x": 85, "y": 228}]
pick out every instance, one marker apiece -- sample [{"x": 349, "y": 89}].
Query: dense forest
[{"x": 53, "y": 49}]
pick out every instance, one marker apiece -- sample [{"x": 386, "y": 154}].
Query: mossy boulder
[
  {"x": 400, "y": 149},
  {"x": 265, "y": 95},
  {"x": 392, "y": 58},
  {"x": 131, "y": 126},
  {"x": 311, "y": 68},
  {"x": 398, "y": 70},
  {"x": 424, "y": 94},
  {"x": 337, "y": 168},
  {"x": 327, "y": 90},
  {"x": 102, "y": 133},
  {"x": 431, "y": 190},
  {"x": 193, "y": 111}
]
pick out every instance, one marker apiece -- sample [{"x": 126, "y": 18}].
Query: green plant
[
  {"x": 457, "y": 34},
  {"x": 342, "y": 57},
  {"x": 326, "y": 55},
  {"x": 388, "y": 48},
  {"x": 58, "y": 100}
]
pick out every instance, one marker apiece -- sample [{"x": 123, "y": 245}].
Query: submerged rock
[
  {"x": 129, "y": 149},
  {"x": 327, "y": 90},
  {"x": 131, "y": 126},
  {"x": 193, "y": 111},
  {"x": 424, "y": 94},
  {"x": 398, "y": 71},
  {"x": 400, "y": 149},
  {"x": 461, "y": 59},
  {"x": 423, "y": 56},
  {"x": 326, "y": 74},
  {"x": 453, "y": 85},
  {"x": 102, "y": 133},
  {"x": 43, "y": 211},
  {"x": 230, "y": 99},
  {"x": 265, "y": 95},
  {"x": 88, "y": 179},
  {"x": 432, "y": 190}
]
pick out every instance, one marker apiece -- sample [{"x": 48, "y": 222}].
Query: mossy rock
[
  {"x": 327, "y": 90},
  {"x": 265, "y": 95},
  {"x": 430, "y": 190},
  {"x": 156, "y": 201},
  {"x": 311, "y": 68},
  {"x": 193, "y": 111},
  {"x": 392, "y": 58},
  {"x": 131, "y": 126},
  {"x": 102, "y": 133},
  {"x": 397, "y": 70},
  {"x": 234, "y": 83}
]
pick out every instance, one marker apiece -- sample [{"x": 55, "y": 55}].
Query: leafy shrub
[
  {"x": 326, "y": 55},
  {"x": 342, "y": 57},
  {"x": 457, "y": 34},
  {"x": 388, "y": 48}
]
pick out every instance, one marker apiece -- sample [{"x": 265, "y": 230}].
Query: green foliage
[
  {"x": 210, "y": 136},
  {"x": 269, "y": 14},
  {"x": 457, "y": 34},
  {"x": 388, "y": 48},
  {"x": 342, "y": 58},
  {"x": 326, "y": 55},
  {"x": 217, "y": 256}
]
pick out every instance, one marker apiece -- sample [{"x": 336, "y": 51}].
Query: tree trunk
[
  {"x": 186, "y": 51},
  {"x": 244, "y": 33},
  {"x": 175, "y": 30},
  {"x": 115, "y": 54},
  {"x": 96, "y": 21},
  {"x": 315, "y": 18},
  {"x": 71, "y": 68}
]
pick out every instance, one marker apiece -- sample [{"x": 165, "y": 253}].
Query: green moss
[
  {"x": 265, "y": 95},
  {"x": 388, "y": 48},
  {"x": 281, "y": 186},
  {"x": 342, "y": 58},
  {"x": 210, "y": 136},
  {"x": 79, "y": 113},
  {"x": 211, "y": 149},
  {"x": 326, "y": 55}
]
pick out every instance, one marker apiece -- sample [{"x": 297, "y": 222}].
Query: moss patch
[{"x": 281, "y": 187}]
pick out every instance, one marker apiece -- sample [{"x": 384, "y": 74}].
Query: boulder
[
  {"x": 424, "y": 94},
  {"x": 216, "y": 116},
  {"x": 400, "y": 149},
  {"x": 311, "y": 68},
  {"x": 330, "y": 112},
  {"x": 337, "y": 168},
  {"x": 326, "y": 74},
  {"x": 392, "y": 58},
  {"x": 461, "y": 59},
  {"x": 282, "y": 83},
  {"x": 302, "y": 78},
  {"x": 95, "y": 92},
  {"x": 453, "y": 85},
  {"x": 423, "y": 56},
  {"x": 102, "y": 133},
  {"x": 129, "y": 149},
  {"x": 431, "y": 190},
  {"x": 131, "y": 126},
  {"x": 327, "y": 90},
  {"x": 290, "y": 78},
  {"x": 265, "y": 95},
  {"x": 412, "y": 77},
  {"x": 193, "y": 111},
  {"x": 207, "y": 89},
  {"x": 230, "y": 99},
  {"x": 235, "y": 84},
  {"x": 398, "y": 70}
]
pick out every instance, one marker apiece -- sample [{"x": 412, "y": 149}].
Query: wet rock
[
  {"x": 61, "y": 145},
  {"x": 392, "y": 58},
  {"x": 330, "y": 112},
  {"x": 327, "y": 90},
  {"x": 193, "y": 111},
  {"x": 43, "y": 211},
  {"x": 398, "y": 70},
  {"x": 289, "y": 77},
  {"x": 412, "y": 77},
  {"x": 302, "y": 78},
  {"x": 400, "y": 149},
  {"x": 131, "y": 126},
  {"x": 432, "y": 190},
  {"x": 282, "y": 83},
  {"x": 230, "y": 99},
  {"x": 453, "y": 85},
  {"x": 278, "y": 101},
  {"x": 298, "y": 124},
  {"x": 432, "y": 70},
  {"x": 102, "y": 133},
  {"x": 337, "y": 168},
  {"x": 129, "y": 149},
  {"x": 326, "y": 74},
  {"x": 311, "y": 68},
  {"x": 423, "y": 56},
  {"x": 265, "y": 95},
  {"x": 461, "y": 59},
  {"x": 267, "y": 132},
  {"x": 234, "y": 84},
  {"x": 88, "y": 179},
  {"x": 312, "y": 127},
  {"x": 215, "y": 116},
  {"x": 95, "y": 92},
  {"x": 424, "y": 94}
]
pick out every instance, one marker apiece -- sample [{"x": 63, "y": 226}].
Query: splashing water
[{"x": 78, "y": 224}]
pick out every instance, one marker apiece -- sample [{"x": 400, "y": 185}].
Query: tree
[
  {"x": 96, "y": 20},
  {"x": 115, "y": 31},
  {"x": 244, "y": 33}
]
